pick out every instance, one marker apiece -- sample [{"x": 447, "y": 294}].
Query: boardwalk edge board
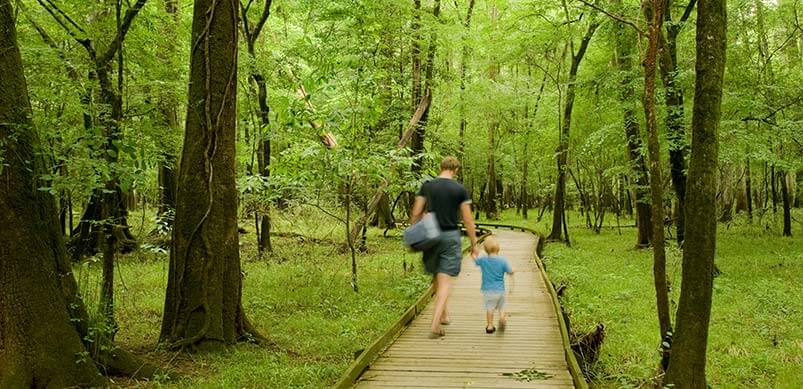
[
  {"x": 360, "y": 365},
  {"x": 571, "y": 359}
]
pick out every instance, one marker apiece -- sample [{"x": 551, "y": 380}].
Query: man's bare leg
[{"x": 442, "y": 288}]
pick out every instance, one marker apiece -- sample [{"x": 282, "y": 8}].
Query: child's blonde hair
[{"x": 491, "y": 245}]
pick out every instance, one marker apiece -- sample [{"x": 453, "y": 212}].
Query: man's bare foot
[{"x": 437, "y": 333}]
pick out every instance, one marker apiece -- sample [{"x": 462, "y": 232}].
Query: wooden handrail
[
  {"x": 355, "y": 370},
  {"x": 368, "y": 355}
]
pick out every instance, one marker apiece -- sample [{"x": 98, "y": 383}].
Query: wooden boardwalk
[{"x": 467, "y": 357}]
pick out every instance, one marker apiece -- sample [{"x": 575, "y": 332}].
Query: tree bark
[
  {"x": 786, "y": 200},
  {"x": 675, "y": 118},
  {"x": 687, "y": 364},
  {"x": 748, "y": 189},
  {"x": 44, "y": 325},
  {"x": 653, "y": 12},
  {"x": 563, "y": 147},
  {"x": 625, "y": 40},
  {"x": 38, "y": 346},
  {"x": 203, "y": 307}
]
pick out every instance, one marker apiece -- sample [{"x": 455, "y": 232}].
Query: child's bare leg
[
  {"x": 489, "y": 319},
  {"x": 502, "y": 318}
]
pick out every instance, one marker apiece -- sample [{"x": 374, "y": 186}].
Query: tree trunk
[
  {"x": 203, "y": 306},
  {"x": 625, "y": 40},
  {"x": 168, "y": 115},
  {"x": 748, "y": 189},
  {"x": 563, "y": 147},
  {"x": 492, "y": 209},
  {"x": 38, "y": 345},
  {"x": 463, "y": 64},
  {"x": 675, "y": 118},
  {"x": 726, "y": 193},
  {"x": 687, "y": 364},
  {"x": 785, "y": 197},
  {"x": 88, "y": 236},
  {"x": 44, "y": 320},
  {"x": 654, "y": 15}
]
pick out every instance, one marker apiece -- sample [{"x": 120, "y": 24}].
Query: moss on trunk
[{"x": 203, "y": 301}]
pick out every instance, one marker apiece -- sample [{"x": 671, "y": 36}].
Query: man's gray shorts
[{"x": 446, "y": 256}]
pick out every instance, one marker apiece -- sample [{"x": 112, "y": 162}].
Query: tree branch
[
  {"x": 130, "y": 14},
  {"x": 613, "y": 16},
  {"x": 687, "y": 12},
  {"x": 261, "y": 23},
  {"x": 57, "y": 15}
]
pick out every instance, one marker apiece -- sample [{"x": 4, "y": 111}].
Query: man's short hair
[{"x": 450, "y": 163}]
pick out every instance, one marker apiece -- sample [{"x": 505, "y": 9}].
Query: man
[{"x": 449, "y": 200}]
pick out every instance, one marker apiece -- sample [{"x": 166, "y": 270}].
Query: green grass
[
  {"x": 756, "y": 332},
  {"x": 300, "y": 298}
]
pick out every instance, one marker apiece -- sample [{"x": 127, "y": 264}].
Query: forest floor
[
  {"x": 756, "y": 333},
  {"x": 300, "y": 298}
]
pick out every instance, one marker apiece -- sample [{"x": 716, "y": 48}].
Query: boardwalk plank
[{"x": 467, "y": 357}]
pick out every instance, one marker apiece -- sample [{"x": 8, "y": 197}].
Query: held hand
[{"x": 475, "y": 252}]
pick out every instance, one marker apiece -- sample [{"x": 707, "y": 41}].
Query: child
[{"x": 493, "y": 269}]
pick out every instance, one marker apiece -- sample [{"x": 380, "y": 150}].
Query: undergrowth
[{"x": 299, "y": 297}]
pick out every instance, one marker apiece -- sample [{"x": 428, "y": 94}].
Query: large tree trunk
[
  {"x": 563, "y": 146},
  {"x": 38, "y": 345},
  {"x": 203, "y": 305},
  {"x": 687, "y": 364},
  {"x": 625, "y": 40},
  {"x": 43, "y": 321}
]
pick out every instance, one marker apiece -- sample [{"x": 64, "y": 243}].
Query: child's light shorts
[{"x": 493, "y": 300}]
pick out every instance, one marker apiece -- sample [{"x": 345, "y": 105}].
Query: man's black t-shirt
[{"x": 444, "y": 197}]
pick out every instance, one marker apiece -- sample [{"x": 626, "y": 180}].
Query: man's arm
[
  {"x": 418, "y": 209},
  {"x": 468, "y": 221}
]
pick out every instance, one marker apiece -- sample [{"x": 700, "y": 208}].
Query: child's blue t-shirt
[{"x": 493, "y": 269}]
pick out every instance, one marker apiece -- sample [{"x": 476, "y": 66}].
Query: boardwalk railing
[
  {"x": 571, "y": 359},
  {"x": 356, "y": 369},
  {"x": 352, "y": 374}
]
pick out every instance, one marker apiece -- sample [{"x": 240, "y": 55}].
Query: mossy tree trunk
[
  {"x": 687, "y": 364},
  {"x": 38, "y": 345},
  {"x": 675, "y": 118},
  {"x": 653, "y": 11},
  {"x": 45, "y": 338},
  {"x": 625, "y": 39},
  {"x": 203, "y": 307}
]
